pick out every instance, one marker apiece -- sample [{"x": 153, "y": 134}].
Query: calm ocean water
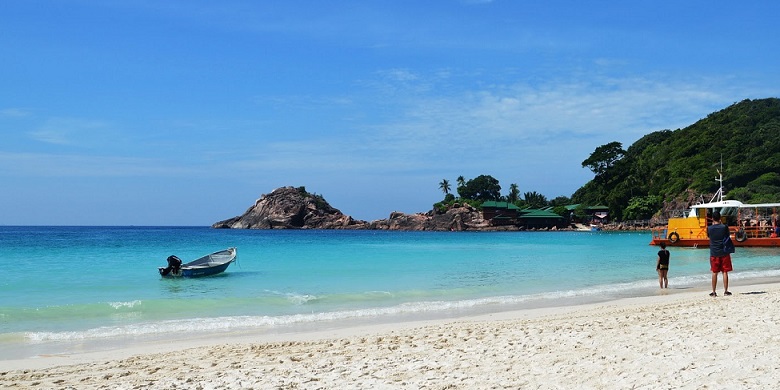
[{"x": 63, "y": 286}]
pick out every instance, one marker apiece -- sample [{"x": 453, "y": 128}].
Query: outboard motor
[{"x": 174, "y": 264}]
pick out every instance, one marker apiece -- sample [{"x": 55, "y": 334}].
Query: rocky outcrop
[
  {"x": 678, "y": 206},
  {"x": 456, "y": 218},
  {"x": 294, "y": 208},
  {"x": 291, "y": 208}
]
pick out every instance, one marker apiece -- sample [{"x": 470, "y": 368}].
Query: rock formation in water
[
  {"x": 457, "y": 218},
  {"x": 291, "y": 208},
  {"x": 294, "y": 208}
]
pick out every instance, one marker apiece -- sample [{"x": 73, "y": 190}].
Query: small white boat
[{"x": 207, "y": 265}]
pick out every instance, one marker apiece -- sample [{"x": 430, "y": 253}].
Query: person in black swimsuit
[{"x": 662, "y": 266}]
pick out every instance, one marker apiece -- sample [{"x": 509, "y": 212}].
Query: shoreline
[
  {"x": 681, "y": 337},
  {"x": 42, "y": 353}
]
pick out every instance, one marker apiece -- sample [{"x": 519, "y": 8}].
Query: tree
[
  {"x": 604, "y": 157},
  {"x": 535, "y": 200},
  {"x": 642, "y": 207},
  {"x": 461, "y": 185},
  {"x": 678, "y": 164},
  {"x": 561, "y": 201},
  {"x": 481, "y": 188},
  {"x": 445, "y": 186},
  {"x": 514, "y": 193}
]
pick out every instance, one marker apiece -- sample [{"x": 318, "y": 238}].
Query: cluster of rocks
[
  {"x": 294, "y": 208},
  {"x": 290, "y": 208},
  {"x": 456, "y": 218},
  {"x": 626, "y": 227}
]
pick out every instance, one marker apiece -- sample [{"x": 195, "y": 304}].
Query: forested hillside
[{"x": 667, "y": 169}]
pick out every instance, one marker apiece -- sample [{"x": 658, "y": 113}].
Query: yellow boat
[{"x": 750, "y": 224}]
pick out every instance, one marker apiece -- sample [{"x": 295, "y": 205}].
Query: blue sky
[{"x": 135, "y": 112}]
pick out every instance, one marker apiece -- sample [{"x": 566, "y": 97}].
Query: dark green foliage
[
  {"x": 642, "y": 207},
  {"x": 444, "y": 185},
  {"x": 535, "y": 200},
  {"x": 514, "y": 193},
  {"x": 665, "y": 164},
  {"x": 764, "y": 189},
  {"x": 450, "y": 200},
  {"x": 319, "y": 200},
  {"x": 481, "y": 188},
  {"x": 604, "y": 158},
  {"x": 440, "y": 207},
  {"x": 562, "y": 211},
  {"x": 560, "y": 201}
]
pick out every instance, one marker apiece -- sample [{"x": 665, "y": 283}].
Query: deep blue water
[{"x": 64, "y": 284}]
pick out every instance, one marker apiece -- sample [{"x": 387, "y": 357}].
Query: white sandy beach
[{"x": 676, "y": 340}]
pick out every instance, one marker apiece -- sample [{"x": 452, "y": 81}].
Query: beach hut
[
  {"x": 540, "y": 219},
  {"x": 500, "y": 213}
]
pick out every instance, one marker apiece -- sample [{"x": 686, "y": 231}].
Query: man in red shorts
[{"x": 720, "y": 260}]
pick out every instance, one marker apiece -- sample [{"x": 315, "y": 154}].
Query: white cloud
[
  {"x": 623, "y": 109},
  {"x": 545, "y": 128},
  {"x": 72, "y": 131},
  {"x": 14, "y": 112},
  {"x": 535, "y": 135}
]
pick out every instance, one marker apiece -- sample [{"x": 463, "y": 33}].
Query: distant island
[
  {"x": 660, "y": 174},
  {"x": 295, "y": 208}
]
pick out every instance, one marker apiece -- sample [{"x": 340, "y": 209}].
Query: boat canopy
[
  {"x": 761, "y": 206},
  {"x": 727, "y": 206},
  {"x": 724, "y": 206}
]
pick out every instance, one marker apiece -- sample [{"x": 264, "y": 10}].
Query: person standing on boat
[
  {"x": 662, "y": 266},
  {"x": 720, "y": 259}
]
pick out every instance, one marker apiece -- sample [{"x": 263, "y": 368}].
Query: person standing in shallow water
[
  {"x": 662, "y": 266},
  {"x": 720, "y": 260}
]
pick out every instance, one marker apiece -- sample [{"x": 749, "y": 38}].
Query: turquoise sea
[{"x": 68, "y": 288}]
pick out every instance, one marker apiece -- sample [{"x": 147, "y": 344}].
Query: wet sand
[{"x": 681, "y": 340}]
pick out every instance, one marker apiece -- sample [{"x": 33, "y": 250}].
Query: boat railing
[
  {"x": 659, "y": 233},
  {"x": 747, "y": 232}
]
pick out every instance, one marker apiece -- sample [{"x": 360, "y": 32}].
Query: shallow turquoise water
[{"x": 101, "y": 283}]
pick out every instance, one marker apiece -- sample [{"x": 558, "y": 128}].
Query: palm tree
[
  {"x": 461, "y": 184},
  {"x": 535, "y": 200},
  {"x": 445, "y": 186},
  {"x": 514, "y": 193}
]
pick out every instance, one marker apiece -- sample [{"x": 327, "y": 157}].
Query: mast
[{"x": 719, "y": 179}]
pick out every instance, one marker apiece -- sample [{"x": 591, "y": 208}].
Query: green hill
[{"x": 670, "y": 167}]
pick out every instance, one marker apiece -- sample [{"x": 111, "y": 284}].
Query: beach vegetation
[
  {"x": 643, "y": 207},
  {"x": 562, "y": 211},
  {"x": 664, "y": 167},
  {"x": 444, "y": 185},
  {"x": 670, "y": 165},
  {"x": 318, "y": 199},
  {"x": 514, "y": 193},
  {"x": 450, "y": 201},
  {"x": 535, "y": 200},
  {"x": 604, "y": 158},
  {"x": 560, "y": 201},
  {"x": 481, "y": 188}
]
